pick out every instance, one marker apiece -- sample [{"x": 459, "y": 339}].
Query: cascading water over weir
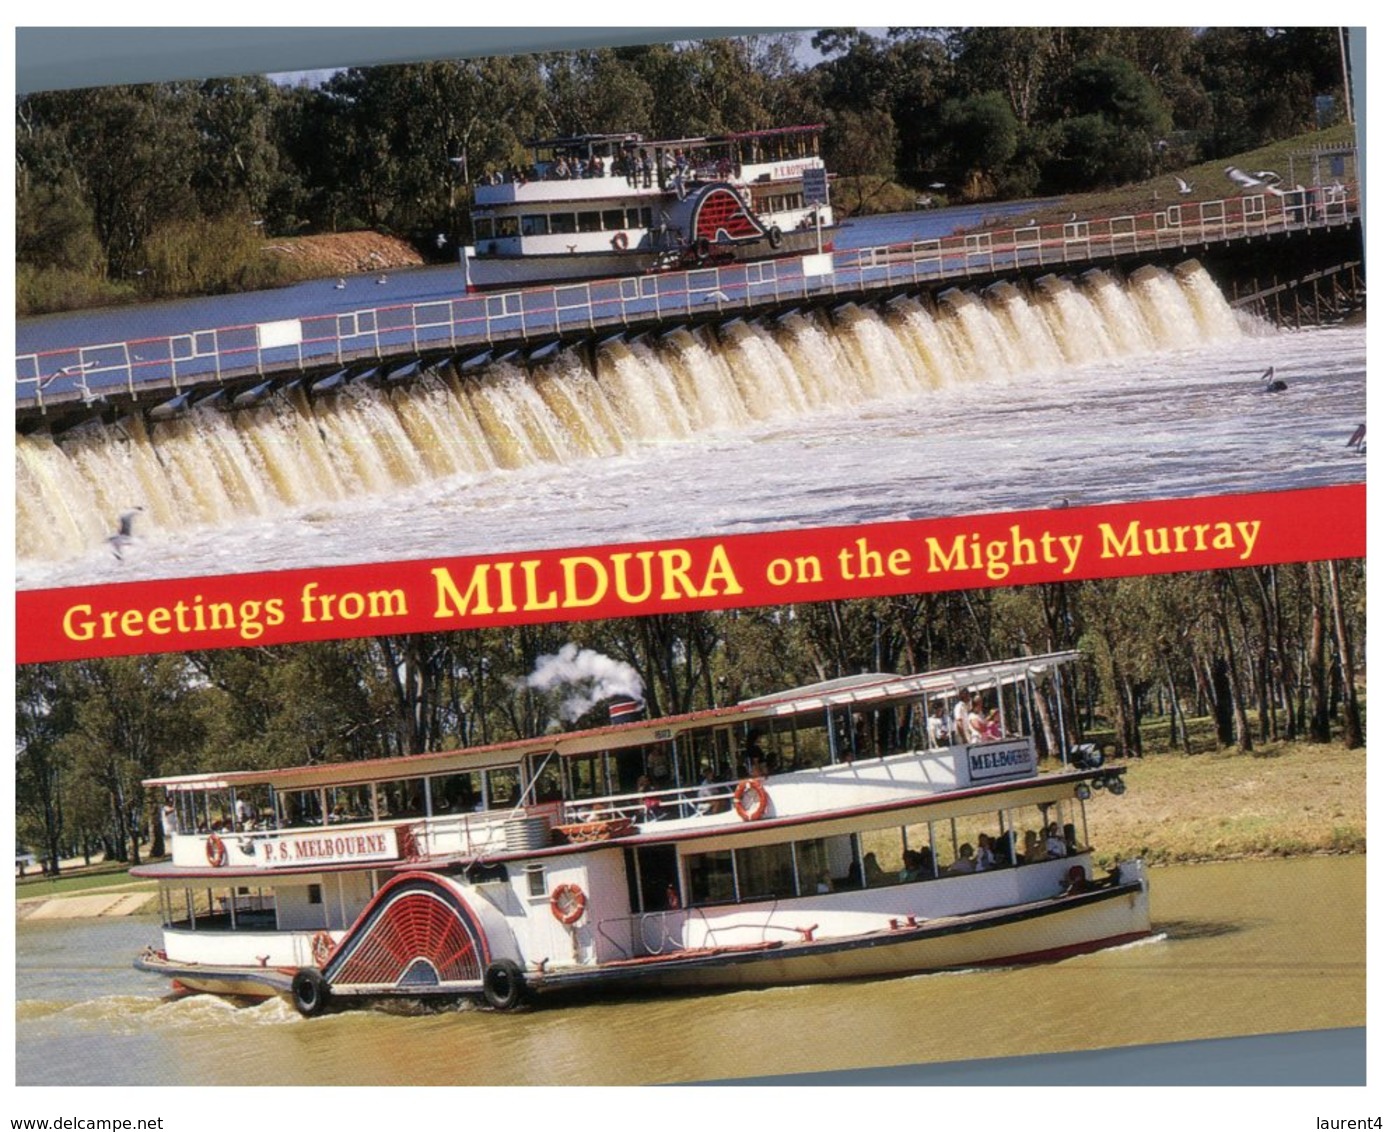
[{"x": 295, "y": 452}]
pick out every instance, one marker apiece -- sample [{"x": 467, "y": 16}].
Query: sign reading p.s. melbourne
[
  {"x": 992, "y": 762},
  {"x": 328, "y": 848}
]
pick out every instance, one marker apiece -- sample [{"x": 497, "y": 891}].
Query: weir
[{"x": 458, "y": 418}]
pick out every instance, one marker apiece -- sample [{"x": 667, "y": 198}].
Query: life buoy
[
  {"x": 215, "y": 850},
  {"x": 310, "y": 991},
  {"x": 775, "y": 237},
  {"x": 620, "y": 243},
  {"x": 567, "y": 903},
  {"x": 751, "y": 799},
  {"x": 321, "y": 947},
  {"x": 503, "y": 984},
  {"x": 702, "y": 248}
]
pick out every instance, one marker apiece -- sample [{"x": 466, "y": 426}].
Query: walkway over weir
[{"x": 239, "y": 365}]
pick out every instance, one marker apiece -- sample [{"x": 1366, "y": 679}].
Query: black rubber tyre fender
[
  {"x": 775, "y": 237},
  {"x": 310, "y": 990},
  {"x": 503, "y": 984}
]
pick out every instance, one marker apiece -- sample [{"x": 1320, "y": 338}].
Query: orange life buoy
[
  {"x": 751, "y": 810},
  {"x": 321, "y": 947},
  {"x": 215, "y": 850},
  {"x": 620, "y": 243},
  {"x": 567, "y": 903}
]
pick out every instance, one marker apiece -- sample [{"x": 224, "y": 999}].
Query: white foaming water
[{"x": 1101, "y": 391}]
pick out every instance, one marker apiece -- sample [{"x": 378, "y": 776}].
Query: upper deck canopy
[{"x": 861, "y": 690}]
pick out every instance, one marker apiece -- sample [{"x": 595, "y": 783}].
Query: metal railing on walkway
[{"x": 530, "y": 318}]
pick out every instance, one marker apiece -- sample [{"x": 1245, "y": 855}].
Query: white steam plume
[{"x": 588, "y": 678}]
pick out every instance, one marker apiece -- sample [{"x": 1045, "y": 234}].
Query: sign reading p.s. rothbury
[
  {"x": 1015, "y": 759},
  {"x": 324, "y": 848}
]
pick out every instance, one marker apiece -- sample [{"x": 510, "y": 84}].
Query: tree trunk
[
  {"x": 1354, "y": 728},
  {"x": 1315, "y": 659}
]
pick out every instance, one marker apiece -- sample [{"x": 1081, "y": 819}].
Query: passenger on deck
[
  {"x": 991, "y": 729},
  {"x": 652, "y": 805},
  {"x": 984, "y": 858},
  {"x": 1054, "y": 841},
  {"x": 707, "y": 802},
  {"x": 960, "y": 710},
  {"x": 872, "y": 871},
  {"x": 966, "y": 861},
  {"x": 824, "y": 881},
  {"x": 753, "y": 756},
  {"x": 938, "y": 730},
  {"x": 976, "y": 721}
]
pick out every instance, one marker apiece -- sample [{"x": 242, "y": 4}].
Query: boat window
[
  {"x": 614, "y": 220},
  {"x": 535, "y": 225},
  {"x": 403, "y": 798},
  {"x": 300, "y": 808},
  {"x": 702, "y": 749},
  {"x": 506, "y": 226},
  {"x": 590, "y": 222},
  {"x": 316, "y": 894},
  {"x": 587, "y": 776},
  {"x": 456, "y": 793},
  {"x": 765, "y": 872},
  {"x": 563, "y": 223},
  {"x": 711, "y": 878},
  {"x": 350, "y": 803},
  {"x": 827, "y": 864},
  {"x": 536, "y": 880},
  {"x": 483, "y": 228},
  {"x": 646, "y": 216},
  {"x": 545, "y": 774},
  {"x": 659, "y": 765},
  {"x": 504, "y": 787}
]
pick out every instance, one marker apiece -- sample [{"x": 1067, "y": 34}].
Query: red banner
[{"x": 679, "y": 575}]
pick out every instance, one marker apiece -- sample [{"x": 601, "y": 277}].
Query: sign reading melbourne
[{"x": 1015, "y": 759}]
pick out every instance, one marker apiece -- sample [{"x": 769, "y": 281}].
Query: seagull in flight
[
  {"x": 1248, "y": 181},
  {"x": 124, "y": 535},
  {"x": 1184, "y": 186}
]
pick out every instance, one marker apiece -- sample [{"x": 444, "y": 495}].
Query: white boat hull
[
  {"x": 1043, "y": 932},
  {"x": 496, "y": 273}
]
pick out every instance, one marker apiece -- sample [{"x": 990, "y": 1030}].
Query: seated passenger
[
  {"x": 911, "y": 866},
  {"x": 1077, "y": 881},
  {"x": 985, "y": 859},
  {"x": 1054, "y": 841},
  {"x": 966, "y": 861},
  {"x": 1034, "y": 848},
  {"x": 991, "y": 728},
  {"x": 872, "y": 871},
  {"x": 1002, "y": 848}
]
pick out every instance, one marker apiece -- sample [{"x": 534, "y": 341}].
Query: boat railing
[
  {"x": 544, "y": 315},
  {"x": 696, "y": 800}
]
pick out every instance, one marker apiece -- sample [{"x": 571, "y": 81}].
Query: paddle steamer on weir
[
  {"x": 606, "y": 205},
  {"x": 861, "y": 828}
]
